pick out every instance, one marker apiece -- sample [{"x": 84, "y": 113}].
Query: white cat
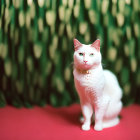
[{"x": 98, "y": 89}]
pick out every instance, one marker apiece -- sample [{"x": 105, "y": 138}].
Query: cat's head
[{"x": 87, "y": 56}]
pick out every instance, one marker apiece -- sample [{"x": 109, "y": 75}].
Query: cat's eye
[
  {"x": 81, "y": 54},
  {"x": 92, "y": 54}
]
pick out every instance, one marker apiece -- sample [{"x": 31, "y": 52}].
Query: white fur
[{"x": 99, "y": 91}]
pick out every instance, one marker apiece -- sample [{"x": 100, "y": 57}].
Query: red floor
[{"x": 63, "y": 124}]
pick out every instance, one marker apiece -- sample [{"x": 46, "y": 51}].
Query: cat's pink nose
[{"x": 85, "y": 61}]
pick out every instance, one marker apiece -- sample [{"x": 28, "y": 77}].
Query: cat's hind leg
[
  {"x": 111, "y": 116},
  {"x": 87, "y": 111},
  {"x": 113, "y": 109},
  {"x": 110, "y": 122}
]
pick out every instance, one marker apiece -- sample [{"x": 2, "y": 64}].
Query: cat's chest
[
  {"x": 86, "y": 80},
  {"x": 94, "y": 80}
]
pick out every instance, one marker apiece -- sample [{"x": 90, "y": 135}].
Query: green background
[{"x": 36, "y": 47}]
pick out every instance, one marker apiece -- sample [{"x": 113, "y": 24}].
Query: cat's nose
[{"x": 85, "y": 61}]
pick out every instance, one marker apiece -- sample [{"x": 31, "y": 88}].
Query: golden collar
[
  {"x": 83, "y": 71},
  {"x": 86, "y": 71}
]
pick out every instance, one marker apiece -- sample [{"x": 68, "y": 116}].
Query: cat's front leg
[
  {"x": 100, "y": 109},
  {"x": 87, "y": 111},
  {"x": 98, "y": 120}
]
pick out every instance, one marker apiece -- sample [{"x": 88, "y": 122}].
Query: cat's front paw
[
  {"x": 98, "y": 127},
  {"x": 86, "y": 127}
]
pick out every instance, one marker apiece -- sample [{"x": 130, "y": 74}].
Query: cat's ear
[
  {"x": 96, "y": 45},
  {"x": 77, "y": 44}
]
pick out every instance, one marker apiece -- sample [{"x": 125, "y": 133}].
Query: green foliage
[{"x": 36, "y": 47}]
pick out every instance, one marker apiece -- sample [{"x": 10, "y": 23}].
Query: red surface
[{"x": 63, "y": 124}]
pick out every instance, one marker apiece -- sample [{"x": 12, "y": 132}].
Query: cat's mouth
[
  {"x": 85, "y": 63},
  {"x": 87, "y": 66}
]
